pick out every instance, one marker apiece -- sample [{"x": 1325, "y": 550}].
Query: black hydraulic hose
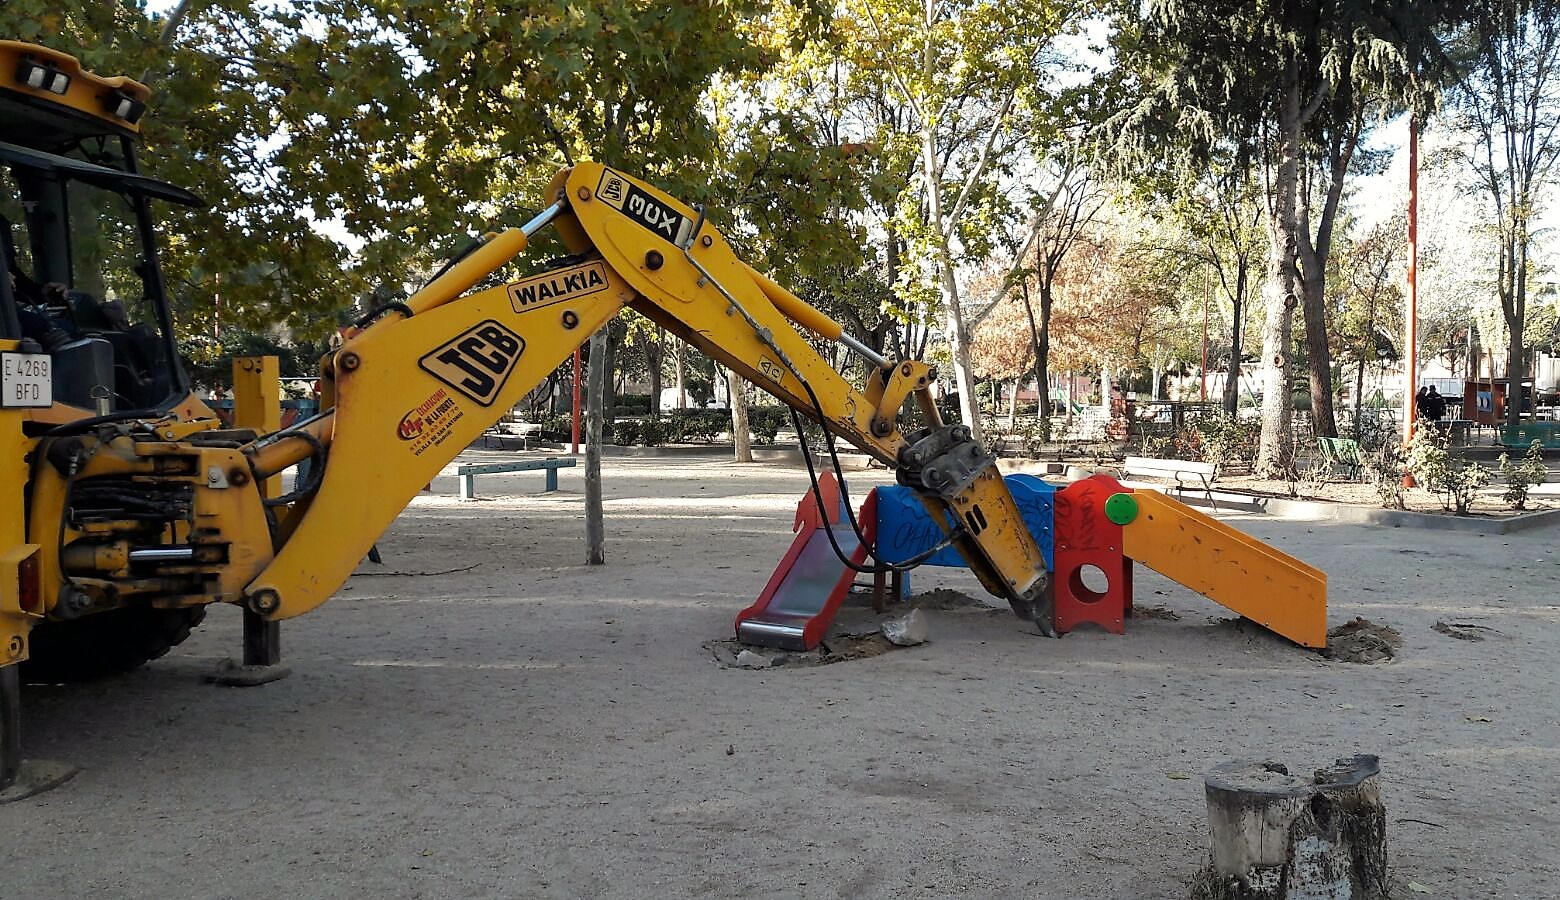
[
  {"x": 82, "y": 425},
  {"x": 880, "y": 567}
]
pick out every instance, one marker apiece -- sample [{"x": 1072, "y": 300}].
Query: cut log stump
[{"x": 1277, "y": 836}]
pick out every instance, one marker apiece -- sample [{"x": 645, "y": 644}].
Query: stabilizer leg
[
  {"x": 21, "y": 778},
  {"x": 262, "y": 656}
]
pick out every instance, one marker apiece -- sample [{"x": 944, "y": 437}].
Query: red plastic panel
[{"x": 1084, "y": 537}]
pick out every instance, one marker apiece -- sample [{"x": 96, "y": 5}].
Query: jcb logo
[{"x": 478, "y": 362}]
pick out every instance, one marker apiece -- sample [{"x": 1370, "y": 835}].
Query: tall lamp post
[{"x": 1411, "y": 315}]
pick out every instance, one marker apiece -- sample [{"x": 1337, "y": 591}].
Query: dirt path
[{"x": 533, "y": 727}]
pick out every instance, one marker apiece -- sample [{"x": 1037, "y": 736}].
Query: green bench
[
  {"x": 468, "y": 473},
  {"x": 1520, "y": 437},
  {"x": 1341, "y": 456}
]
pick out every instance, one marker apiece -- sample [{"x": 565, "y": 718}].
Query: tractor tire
[{"x": 108, "y": 643}]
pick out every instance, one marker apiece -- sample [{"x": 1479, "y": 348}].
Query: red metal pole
[
  {"x": 1411, "y": 318},
  {"x": 575, "y": 429}
]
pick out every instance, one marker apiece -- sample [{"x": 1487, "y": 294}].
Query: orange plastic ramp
[{"x": 1267, "y": 586}]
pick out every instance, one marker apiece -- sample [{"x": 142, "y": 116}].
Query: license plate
[{"x": 26, "y": 380}]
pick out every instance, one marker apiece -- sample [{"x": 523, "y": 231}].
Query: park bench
[
  {"x": 1341, "y": 456},
  {"x": 522, "y": 430},
  {"x": 1520, "y": 437},
  {"x": 468, "y": 473},
  {"x": 1182, "y": 472}
]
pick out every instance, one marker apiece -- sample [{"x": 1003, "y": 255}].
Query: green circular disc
[{"x": 1121, "y": 508}]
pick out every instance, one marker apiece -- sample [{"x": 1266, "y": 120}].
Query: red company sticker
[{"x": 427, "y": 414}]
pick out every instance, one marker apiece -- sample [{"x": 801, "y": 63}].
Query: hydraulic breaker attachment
[{"x": 945, "y": 463}]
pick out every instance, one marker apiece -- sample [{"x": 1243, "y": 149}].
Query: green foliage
[
  {"x": 633, "y": 404},
  {"x": 1521, "y": 476},
  {"x": 1454, "y": 482},
  {"x": 1227, "y": 439},
  {"x": 765, "y": 422},
  {"x": 209, "y": 362},
  {"x": 407, "y": 126},
  {"x": 695, "y": 426},
  {"x": 653, "y": 432}
]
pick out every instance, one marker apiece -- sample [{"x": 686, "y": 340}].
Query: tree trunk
[
  {"x": 1516, "y": 314},
  {"x": 1323, "y": 422},
  {"x": 615, "y": 332},
  {"x": 740, "y": 435},
  {"x": 1039, "y": 335},
  {"x": 958, "y": 341},
  {"x": 655, "y": 356},
  {"x": 680, "y": 368},
  {"x": 1276, "y": 835},
  {"x": 1013, "y": 403},
  {"x": 595, "y": 401},
  {"x": 1275, "y": 456},
  {"x": 1359, "y": 400},
  {"x": 1232, "y": 380}
]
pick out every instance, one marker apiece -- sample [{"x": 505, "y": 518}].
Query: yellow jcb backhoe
[{"x": 125, "y": 505}]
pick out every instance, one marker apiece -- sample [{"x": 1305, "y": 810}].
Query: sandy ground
[{"x": 527, "y": 726}]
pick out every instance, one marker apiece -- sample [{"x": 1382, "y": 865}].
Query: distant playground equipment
[{"x": 1090, "y": 533}]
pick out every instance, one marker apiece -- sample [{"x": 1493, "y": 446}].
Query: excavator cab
[{"x": 78, "y": 244}]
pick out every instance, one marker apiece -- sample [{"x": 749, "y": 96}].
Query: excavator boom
[{"x": 423, "y": 381}]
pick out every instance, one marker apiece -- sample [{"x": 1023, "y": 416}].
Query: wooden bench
[
  {"x": 1181, "y": 471},
  {"x": 1341, "y": 456},
  {"x": 468, "y": 473},
  {"x": 522, "y": 430}
]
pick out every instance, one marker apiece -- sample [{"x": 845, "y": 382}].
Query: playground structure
[{"x": 1090, "y": 533}]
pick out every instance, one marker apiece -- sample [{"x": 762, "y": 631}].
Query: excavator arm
[{"x": 412, "y": 388}]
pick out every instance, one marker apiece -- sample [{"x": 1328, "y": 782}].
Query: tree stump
[{"x": 1277, "y": 836}]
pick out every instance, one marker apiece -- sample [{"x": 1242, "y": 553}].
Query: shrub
[
  {"x": 633, "y": 404},
  {"x": 653, "y": 431},
  {"x": 625, "y": 432},
  {"x": 1226, "y": 439},
  {"x": 1034, "y": 433},
  {"x": 765, "y": 422},
  {"x": 1454, "y": 483},
  {"x": 1384, "y": 465},
  {"x": 1523, "y": 475}
]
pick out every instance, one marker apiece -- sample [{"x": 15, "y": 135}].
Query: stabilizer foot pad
[
  {"x": 231, "y": 674},
  {"x": 36, "y": 776}
]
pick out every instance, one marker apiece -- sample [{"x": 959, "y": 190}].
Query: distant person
[{"x": 1434, "y": 408}]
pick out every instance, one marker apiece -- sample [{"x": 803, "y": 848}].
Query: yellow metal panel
[
  {"x": 1265, "y": 585},
  {"x": 257, "y": 402},
  {"x": 257, "y": 393},
  {"x": 411, "y": 393},
  {"x": 86, "y": 90},
  {"x": 14, "y": 446},
  {"x": 634, "y": 225}
]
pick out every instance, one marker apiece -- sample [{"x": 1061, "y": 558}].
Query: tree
[
  {"x": 965, "y": 72},
  {"x": 1510, "y": 102},
  {"x": 269, "y": 124},
  {"x": 1060, "y": 216},
  {"x": 1372, "y": 309},
  {"x": 1215, "y": 213},
  {"x": 1289, "y": 86}
]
